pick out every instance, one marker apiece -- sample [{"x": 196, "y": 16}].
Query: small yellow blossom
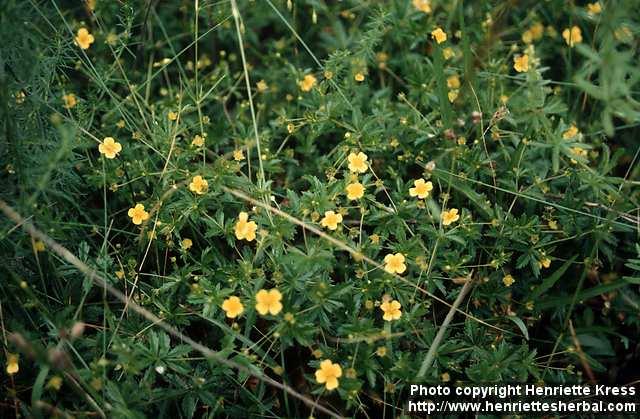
[
  {"x": 394, "y": 263},
  {"x": 594, "y": 8},
  {"x": 109, "y": 147},
  {"x": 534, "y": 33},
  {"x": 198, "y": 185},
  {"x": 328, "y": 374},
  {"x": 232, "y": 307},
  {"x": 245, "y": 229},
  {"x": 358, "y": 162},
  {"x": 423, "y": 6},
  {"x": 69, "y": 100},
  {"x": 38, "y": 246},
  {"x": 268, "y": 302},
  {"x": 537, "y": 30},
  {"x": 84, "y": 39},
  {"x": 262, "y": 86},
  {"x": 55, "y": 383},
  {"x": 572, "y": 36},
  {"x": 186, "y": 244},
  {"x": 421, "y": 188},
  {"x": 453, "y": 95},
  {"x": 439, "y": 35},
  {"x": 12, "y": 364},
  {"x": 138, "y": 214},
  {"x": 331, "y": 220},
  {"x": 448, "y": 53},
  {"x": 375, "y": 239},
  {"x": 238, "y": 155},
  {"x": 359, "y": 77},
  {"x": 381, "y": 351},
  {"x": 453, "y": 82},
  {"x": 307, "y": 83},
  {"x": 391, "y": 310},
  {"x": 355, "y": 190},
  {"x": 449, "y": 217},
  {"x": 198, "y": 141},
  {"x": 120, "y": 274},
  {"x": 521, "y": 63},
  {"x": 578, "y": 152},
  {"x": 545, "y": 262},
  {"x": 172, "y": 116},
  {"x": 508, "y": 280},
  {"x": 571, "y": 132},
  {"x": 553, "y": 225}
]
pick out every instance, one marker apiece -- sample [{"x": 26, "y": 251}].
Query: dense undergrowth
[{"x": 316, "y": 228}]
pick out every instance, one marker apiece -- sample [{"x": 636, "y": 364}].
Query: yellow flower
[
  {"x": 355, "y": 190},
  {"x": 448, "y": 53},
  {"x": 12, "y": 364},
  {"x": 331, "y": 220},
  {"x": 186, "y": 244},
  {"x": 359, "y": 77},
  {"x": 594, "y": 8},
  {"x": 553, "y": 225},
  {"x": 449, "y": 217},
  {"x": 508, "y": 280},
  {"x": 328, "y": 374},
  {"x": 138, "y": 214},
  {"x": 84, "y": 39},
  {"x": 439, "y": 35},
  {"x": 358, "y": 162},
  {"x": 453, "y": 82},
  {"x": 422, "y": 5},
  {"x": 421, "y": 188},
  {"x": 109, "y": 147},
  {"x": 245, "y": 229},
  {"x": 545, "y": 262},
  {"x": 55, "y": 382},
  {"x": 262, "y": 86},
  {"x": 268, "y": 302},
  {"x": 38, "y": 246},
  {"x": 578, "y": 152},
  {"x": 172, "y": 116},
  {"x": 453, "y": 95},
  {"x": 445, "y": 377},
  {"x": 69, "y": 100},
  {"x": 233, "y": 307},
  {"x": 198, "y": 185},
  {"x": 20, "y": 96},
  {"x": 521, "y": 63},
  {"x": 572, "y": 36},
  {"x": 571, "y": 132},
  {"x": 537, "y": 30},
  {"x": 381, "y": 351},
  {"x": 198, "y": 141},
  {"x": 394, "y": 263},
  {"x": 119, "y": 274},
  {"x": 307, "y": 83},
  {"x": 391, "y": 310},
  {"x": 527, "y": 36},
  {"x": 238, "y": 155}
]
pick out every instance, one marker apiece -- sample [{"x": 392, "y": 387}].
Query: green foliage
[{"x": 541, "y": 165}]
